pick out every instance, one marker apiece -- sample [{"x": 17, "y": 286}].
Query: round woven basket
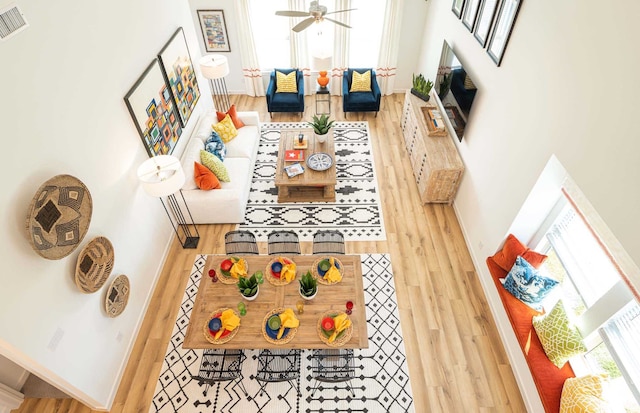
[
  {"x": 283, "y": 340},
  {"x": 273, "y": 279},
  {"x": 225, "y": 279},
  {"x": 117, "y": 296},
  {"x": 207, "y": 334},
  {"x": 317, "y": 276},
  {"x": 59, "y": 216},
  {"x": 94, "y": 265},
  {"x": 343, "y": 337}
]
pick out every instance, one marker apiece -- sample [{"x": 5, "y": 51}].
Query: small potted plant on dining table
[
  {"x": 308, "y": 286},
  {"x": 249, "y": 286}
]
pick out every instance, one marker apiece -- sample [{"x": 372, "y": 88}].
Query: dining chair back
[
  {"x": 219, "y": 366},
  {"x": 240, "y": 242},
  {"x": 283, "y": 242},
  {"x": 333, "y": 366},
  {"x": 328, "y": 242},
  {"x": 278, "y": 366}
]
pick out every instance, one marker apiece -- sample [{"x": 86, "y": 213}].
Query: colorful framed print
[
  {"x": 214, "y": 30},
  {"x": 502, "y": 29},
  {"x": 457, "y": 7},
  {"x": 485, "y": 17},
  {"x": 153, "y": 112},
  {"x": 180, "y": 75}
]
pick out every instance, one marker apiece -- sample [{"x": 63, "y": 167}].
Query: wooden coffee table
[{"x": 310, "y": 186}]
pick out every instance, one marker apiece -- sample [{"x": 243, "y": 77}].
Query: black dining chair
[
  {"x": 278, "y": 366},
  {"x": 333, "y": 366},
  {"x": 283, "y": 242},
  {"x": 240, "y": 242},
  {"x": 220, "y": 365},
  {"x": 328, "y": 242}
]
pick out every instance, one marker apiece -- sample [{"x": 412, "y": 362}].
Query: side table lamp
[{"x": 163, "y": 176}]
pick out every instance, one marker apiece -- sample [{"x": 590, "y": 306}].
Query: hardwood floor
[{"x": 456, "y": 360}]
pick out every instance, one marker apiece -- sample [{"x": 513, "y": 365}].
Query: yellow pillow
[
  {"x": 583, "y": 395},
  {"x": 225, "y": 129},
  {"x": 361, "y": 82},
  {"x": 215, "y": 165},
  {"x": 286, "y": 83}
]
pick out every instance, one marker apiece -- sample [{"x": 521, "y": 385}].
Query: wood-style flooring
[{"x": 456, "y": 360}]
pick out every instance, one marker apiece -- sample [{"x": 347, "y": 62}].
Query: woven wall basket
[
  {"x": 59, "y": 216},
  {"x": 94, "y": 265},
  {"x": 117, "y": 296}
]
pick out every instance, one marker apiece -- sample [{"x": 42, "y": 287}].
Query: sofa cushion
[
  {"x": 527, "y": 284},
  {"x": 361, "y": 82},
  {"x": 190, "y": 155},
  {"x": 286, "y": 83},
  {"x": 506, "y": 257},
  {"x": 217, "y": 167},
  {"x": 225, "y": 129},
  {"x": 237, "y": 122},
  {"x": 215, "y": 146},
  {"x": 560, "y": 339},
  {"x": 584, "y": 394},
  {"x": 205, "y": 179},
  {"x": 245, "y": 145}
]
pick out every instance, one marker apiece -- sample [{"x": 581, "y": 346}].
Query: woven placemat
[
  {"x": 117, "y": 296},
  {"x": 342, "y": 338},
  {"x": 283, "y": 340},
  {"x": 94, "y": 265},
  {"x": 277, "y": 280},
  {"x": 317, "y": 276},
  {"x": 207, "y": 334},
  {"x": 226, "y": 279},
  {"x": 59, "y": 216}
]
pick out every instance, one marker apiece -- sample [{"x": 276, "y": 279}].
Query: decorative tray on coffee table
[{"x": 319, "y": 161}]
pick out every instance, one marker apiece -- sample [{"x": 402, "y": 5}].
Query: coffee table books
[
  {"x": 293, "y": 155},
  {"x": 294, "y": 169}
]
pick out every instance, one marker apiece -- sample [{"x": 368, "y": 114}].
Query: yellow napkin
[
  {"x": 333, "y": 274},
  {"x": 239, "y": 269},
  {"x": 288, "y": 320},
  {"x": 229, "y": 322},
  {"x": 342, "y": 322},
  {"x": 288, "y": 271}
]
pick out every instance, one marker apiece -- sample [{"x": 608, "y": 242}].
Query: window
[{"x": 594, "y": 290}]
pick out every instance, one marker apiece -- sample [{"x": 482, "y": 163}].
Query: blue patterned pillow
[
  {"x": 527, "y": 284},
  {"x": 215, "y": 146}
]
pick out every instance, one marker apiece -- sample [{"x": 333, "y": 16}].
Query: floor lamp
[
  {"x": 215, "y": 67},
  {"x": 162, "y": 176}
]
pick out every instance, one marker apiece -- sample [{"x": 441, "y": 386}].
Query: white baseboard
[{"x": 9, "y": 399}]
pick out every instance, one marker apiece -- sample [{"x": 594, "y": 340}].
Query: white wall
[
  {"x": 62, "y": 111},
  {"x": 564, "y": 88}
]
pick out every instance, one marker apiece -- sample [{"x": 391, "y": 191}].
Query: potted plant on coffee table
[
  {"x": 249, "y": 286},
  {"x": 308, "y": 286},
  {"x": 321, "y": 126}
]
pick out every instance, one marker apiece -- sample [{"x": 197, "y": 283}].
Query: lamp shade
[
  {"x": 161, "y": 175},
  {"x": 214, "y": 66}
]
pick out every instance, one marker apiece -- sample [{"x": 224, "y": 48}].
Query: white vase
[
  {"x": 253, "y": 297},
  {"x": 321, "y": 138},
  {"x": 307, "y": 297}
]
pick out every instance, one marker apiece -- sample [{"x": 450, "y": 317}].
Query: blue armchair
[
  {"x": 360, "y": 101},
  {"x": 285, "y": 101}
]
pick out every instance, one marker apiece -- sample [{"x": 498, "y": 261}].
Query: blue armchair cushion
[{"x": 360, "y": 101}]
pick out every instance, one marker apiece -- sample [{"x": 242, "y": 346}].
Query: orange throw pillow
[
  {"x": 205, "y": 179},
  {"x": 233, "y": 115},
  {"x": 506, "y": 257}
]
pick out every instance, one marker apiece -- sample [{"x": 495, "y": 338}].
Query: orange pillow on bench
[{"x": 506, "y": 257}]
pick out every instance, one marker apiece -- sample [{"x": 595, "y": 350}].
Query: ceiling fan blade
[
  {"x": 303, "y": 24},
  {"x": 340, "y": 11},
  {"x": 292, "y": 13},
  {"x": 338, "y": 23}
]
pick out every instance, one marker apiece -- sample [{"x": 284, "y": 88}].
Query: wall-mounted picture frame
[
  {"x": 486, "y": 14},
  {"x": 502, "y": 29},
  {"x": 180, "y": 75},
  {"x": 214, "y": 30},
  {"x": 470, "y": 13},
  {"x": 151, "y": 107},
  {"x": 457, "y": 7}
]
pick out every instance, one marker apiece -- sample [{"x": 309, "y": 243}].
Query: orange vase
[{"x": 323, "y": 80}]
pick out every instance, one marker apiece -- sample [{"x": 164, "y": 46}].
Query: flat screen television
[{"x": 456, "y": 90}]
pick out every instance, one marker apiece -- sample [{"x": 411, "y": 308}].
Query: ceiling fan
[{"x": 317, "y": 14}]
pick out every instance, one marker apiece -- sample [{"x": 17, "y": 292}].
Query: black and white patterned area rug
[
  {"x": 381, "y": 383},
  {"x": 356, "y": 211}
]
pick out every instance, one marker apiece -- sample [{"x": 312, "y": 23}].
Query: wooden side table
[{"x": 323, "y": 96}]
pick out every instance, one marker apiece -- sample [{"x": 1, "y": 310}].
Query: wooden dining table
[{"x": 212, "y": 296}]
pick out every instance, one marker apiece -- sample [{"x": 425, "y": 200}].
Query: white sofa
[{"x": 225, "y": 205}]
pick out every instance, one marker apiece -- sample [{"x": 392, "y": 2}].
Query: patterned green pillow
[
  {"x": 217, "y": 167},
  {"x": 560, "y": 339}
]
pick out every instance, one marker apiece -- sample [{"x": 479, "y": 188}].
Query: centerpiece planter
[
  {"x": 421, "y": 87},
  {"x": 249, "y": 286},
  {"x": 308, "y": 286},
  {"x": 321, "y": 126}
]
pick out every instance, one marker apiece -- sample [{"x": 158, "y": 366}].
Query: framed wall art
[
  {"x": 485, "y": 17},
  {"x": 151, "y": 107},
  {"x": 457, "y": 7},
  {"x": 214, "y": 30},
  {"x": 469, "y": 14},
  {"x": 180, "y": 75},
  {"x": 502, "y": 29}
]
